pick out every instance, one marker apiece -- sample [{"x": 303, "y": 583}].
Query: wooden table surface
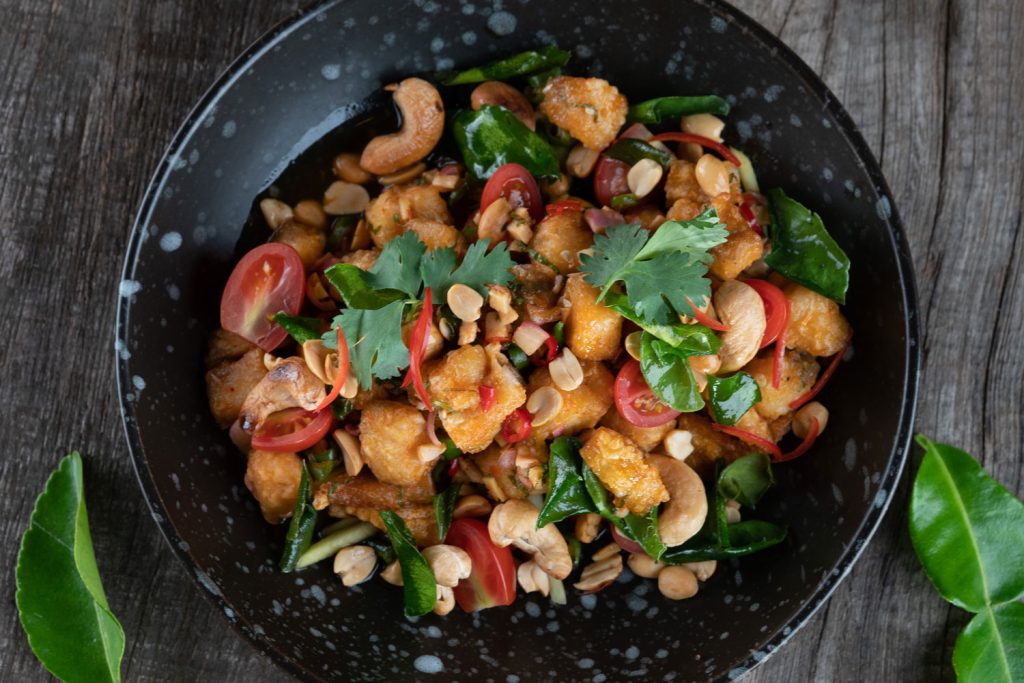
[{"x": 91, "y": 91}]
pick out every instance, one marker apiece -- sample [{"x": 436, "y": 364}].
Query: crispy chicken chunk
[
  {"x": 454, "y": 385},
  {"x": 816, "y": 326},
  {"x": 709, "y": 445},
  {"x": 361, "y": 258},
  {"x": 388, "y": 213},
  {"x": 647, "y": 438},
  {"x": 537, "y": 290},
  {"x": 741, "y": 248},
  {"x": 391, "y": 434},
  {"x": 591, "y": 109},
  {"x": 436, "y": 234},
  {"x": 592, "y": 330},
  {"x": 273, "y": 480},
  {"x": 622, "y": 467},
  {"x": 799, "y": 372},
  {"x": 582, "y": 407},
  {"x": 682, "y": 184},
  {"x": 225, "y": 346},
  {"x": 229, "y": 383},
  {"x": 560, "y": 238},
  {"x": 364, "y": 497},
  {"x": 307, "y": 240}
]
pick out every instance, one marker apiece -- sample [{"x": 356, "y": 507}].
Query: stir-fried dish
[{"x": 527, "y": 343}]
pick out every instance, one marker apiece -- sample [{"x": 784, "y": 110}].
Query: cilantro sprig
[
  {"x": 662, "y": 272},
  {"x": 377, "y": 299}
]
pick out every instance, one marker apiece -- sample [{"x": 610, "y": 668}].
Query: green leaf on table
[
  {"x": 668, "y": 374},
  {"x": 669, "y": 108},
  {"x": 802, "y": 249},
  {"x": 991, "y": 648},
  {"x": 444, "y": 509},
  {"x": 522, "y": 64},
  {"x": 418, "y": 581},
  {"x": 746, "y": 479},
  {"x": 567, "y": 495},
  {"x": 731, "y": 397},
  {"x": 493, "y": 136},
  {"x": 353, "y": 284},
  {"x": 300, "y": 529},
  {"x": 967, "y": 530},
  {"x": 60, "y": 597},
  {"x": 478, "y": 269},
  {"x": 375, "y": 346},
  {"x": 299, "y": 328},
  {"x": 662, "y": 272}
]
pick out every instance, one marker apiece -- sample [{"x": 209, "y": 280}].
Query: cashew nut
[
  {"x": 392, "y": 574},
  {"x": 687, "y": 506},
  {"x": 702, "y": 570},
  {"x": 449, "y": 563},
  {"x": 471, "y": 506},
  {"x": 504, "y": 95},
  {"x": 741, "y": 310},
  {"x": 802, "y": 418},
  {"x": 289, "y": 385},
  {"x": 355, "y": 564},
  {"x": 445, "y": 600},
  {"x": 422, "y": 126},
  {"x": 600, "y": 574},
  {"x": 588, "y": 525},
  {"x": 514, "y": 522},
  {"x": 533, "y": 579},
  {"x": 677, "y": 583},
  {"x": 275, "y": 212},
  {"x": 644, "y": 565}
]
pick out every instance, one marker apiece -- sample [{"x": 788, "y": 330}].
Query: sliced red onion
[
  {"x": 352, "y": 428},
  {"x": 600, "y": 220},
  {"x": 431, "y": 418}
]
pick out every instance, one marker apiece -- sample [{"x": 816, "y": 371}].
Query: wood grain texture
[{"x": 90, "y": 92}]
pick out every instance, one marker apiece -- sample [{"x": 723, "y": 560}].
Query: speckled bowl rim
[{"x": 785, "y": 57}]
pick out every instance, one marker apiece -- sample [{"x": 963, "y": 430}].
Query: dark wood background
[{"x": 92, "y": 90}]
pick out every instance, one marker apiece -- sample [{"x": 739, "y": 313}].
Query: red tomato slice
[
  {"x": 635, "y": 400},
  {"x": 268, "y": 279},
  {"x": 776, "y": 309},
  {"x": 517, "y": 186},
  {"x": 610, "y": 179},
  {"x": 292, "y": 430},
  {"x": 492, "y": 582}
]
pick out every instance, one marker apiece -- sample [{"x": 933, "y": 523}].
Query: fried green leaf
[
  {"x": 667, "y": 108},
  {"x": 567, "y": 495},
  {"x": 746, "y": 479},
  {"x": 299, "y": 328},
  {"x": 444, "y": 508},
  {"x": 418, "y": 581},
  {"x": 300, "y": 529},
  {"x": 492, "y": 137},
  {"x": 522, "y": 64},
  {"x": 731, "y": 397},
  {"x": 668, "y": 374}
]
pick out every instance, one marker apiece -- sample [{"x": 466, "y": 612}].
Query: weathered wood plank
[{"x": 86, "y": 88}]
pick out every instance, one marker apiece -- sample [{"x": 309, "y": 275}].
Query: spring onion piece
[
  {"x": 624, "y": 201},
  {"x": 517, "y": 357},
  {"x": 329, "y": 545},
  {"x": 557, "y": 592},
  {"x": 300, "y": 529},
  {"x": 342, "y": 523}
]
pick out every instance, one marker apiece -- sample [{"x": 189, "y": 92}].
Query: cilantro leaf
[
  {"x": 398, "y": 266},
  {"x": 661, "y": 272},
  {"x": 353, "y": 284},
  {"x": 374, "y": 337},
  {"x": 478, "y": 269}
]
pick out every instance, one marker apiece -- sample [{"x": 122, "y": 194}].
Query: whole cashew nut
[
  {"x": 687, "y": 507},
  {"x": 504, "y": 95},
  {"x": 741, "y": 310},
  {"x": 449, "y": 563},
  {"x": 422, "y": 126},
  {"x": 514, "y": 522}
]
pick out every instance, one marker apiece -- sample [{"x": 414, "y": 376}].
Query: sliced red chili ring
[
  {"x": 342, "y": 376},
  {"x": 812, "y": 435},
  {"x": 546, "y": 353},
  {"x": 722, "y": 150},
  {"x": 487, "y": 398},
  {"x": 705, "y": 319},
  {"x": 825, "y": 376},
  {"x": 517, "y": 426},
  {"x": 418, "y": 348}
]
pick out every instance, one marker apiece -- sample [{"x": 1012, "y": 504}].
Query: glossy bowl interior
[{"x": 325, "y": 67}]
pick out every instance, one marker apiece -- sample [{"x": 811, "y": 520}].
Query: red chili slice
[
  {"x": 339, "y": 380},
  {"x": 418, "y": 348},
  {"x": 722, "y": 150},
  {"x": 487, "y": 398},
  {"x": 636, "y": 402},
  {"x": 517, "y": 426},
  {"x": 705, "y": 319},
  {"x": 750, "y": 217},
  {"x": 776, "y": 313},
  {"x": 812, "y": 435},
  {"x": 292, "y": 430},
  {"x": 546, "y": 353},
  {"x": 753, "y": 439},
  {"x": 825, "y": 376}
]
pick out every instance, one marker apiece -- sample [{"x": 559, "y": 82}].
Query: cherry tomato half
[
  {"x": 776, "y": 309},
  {"x": 635, "y": 400},
  {"x": 517, "y": 186},
  {"x": 292, "y": 430},
  {"x": 492, "y": 581},
  {"x": 268, "y": 279}
]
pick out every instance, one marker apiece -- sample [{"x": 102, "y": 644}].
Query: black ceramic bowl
[{"x": 316, "y": 71}]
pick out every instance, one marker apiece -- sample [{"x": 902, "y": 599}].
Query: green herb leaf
[
  {"x": 398, "y": 266},
  {"x": 567, "y": 495},
  {"x": 493, "y": 136},
  {"x": 643, "y": 530},
  {"x": 991, "y": 648},
  {"x": 668, "y": 374},
  {"x": 662, "y": 108},
  {"x": 731, "y": 397},
  {"x": 383, "y": 548},
  {"x": 967, "y": 530},
  {"x": 301, "y": 329},
  {"x": 417, "y": 579},
  {"x": 521, "y": 64},
  {"x": 631, "y": 150},
  {"x": 300, "y": 529},
  {"x": 693, "y": 340},
  {"x": 60, "y": 597},
  {"x": 478, "y": 269},
  {"x": 352, "y": 282},
  {"x": 802, "y": 249},
  {"x": 746, "y": 479},
  {"x": 624, "y": 201},
  {"x": 444, "y": 508},
  {"x": 375, "y": 347},
  {"x": 745, "y": 538},
  {"x": 662, "y": 273}
]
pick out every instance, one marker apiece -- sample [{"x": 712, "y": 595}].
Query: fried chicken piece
[
  {"x": 390, "y": 434},
  {"x": 591, "y": 109},
  {"x": 273, "y": 479},
  {"x": 582, "y": 407},
  {"x": 228, "y": 385},
  {"x": 623, "y": 468}
]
